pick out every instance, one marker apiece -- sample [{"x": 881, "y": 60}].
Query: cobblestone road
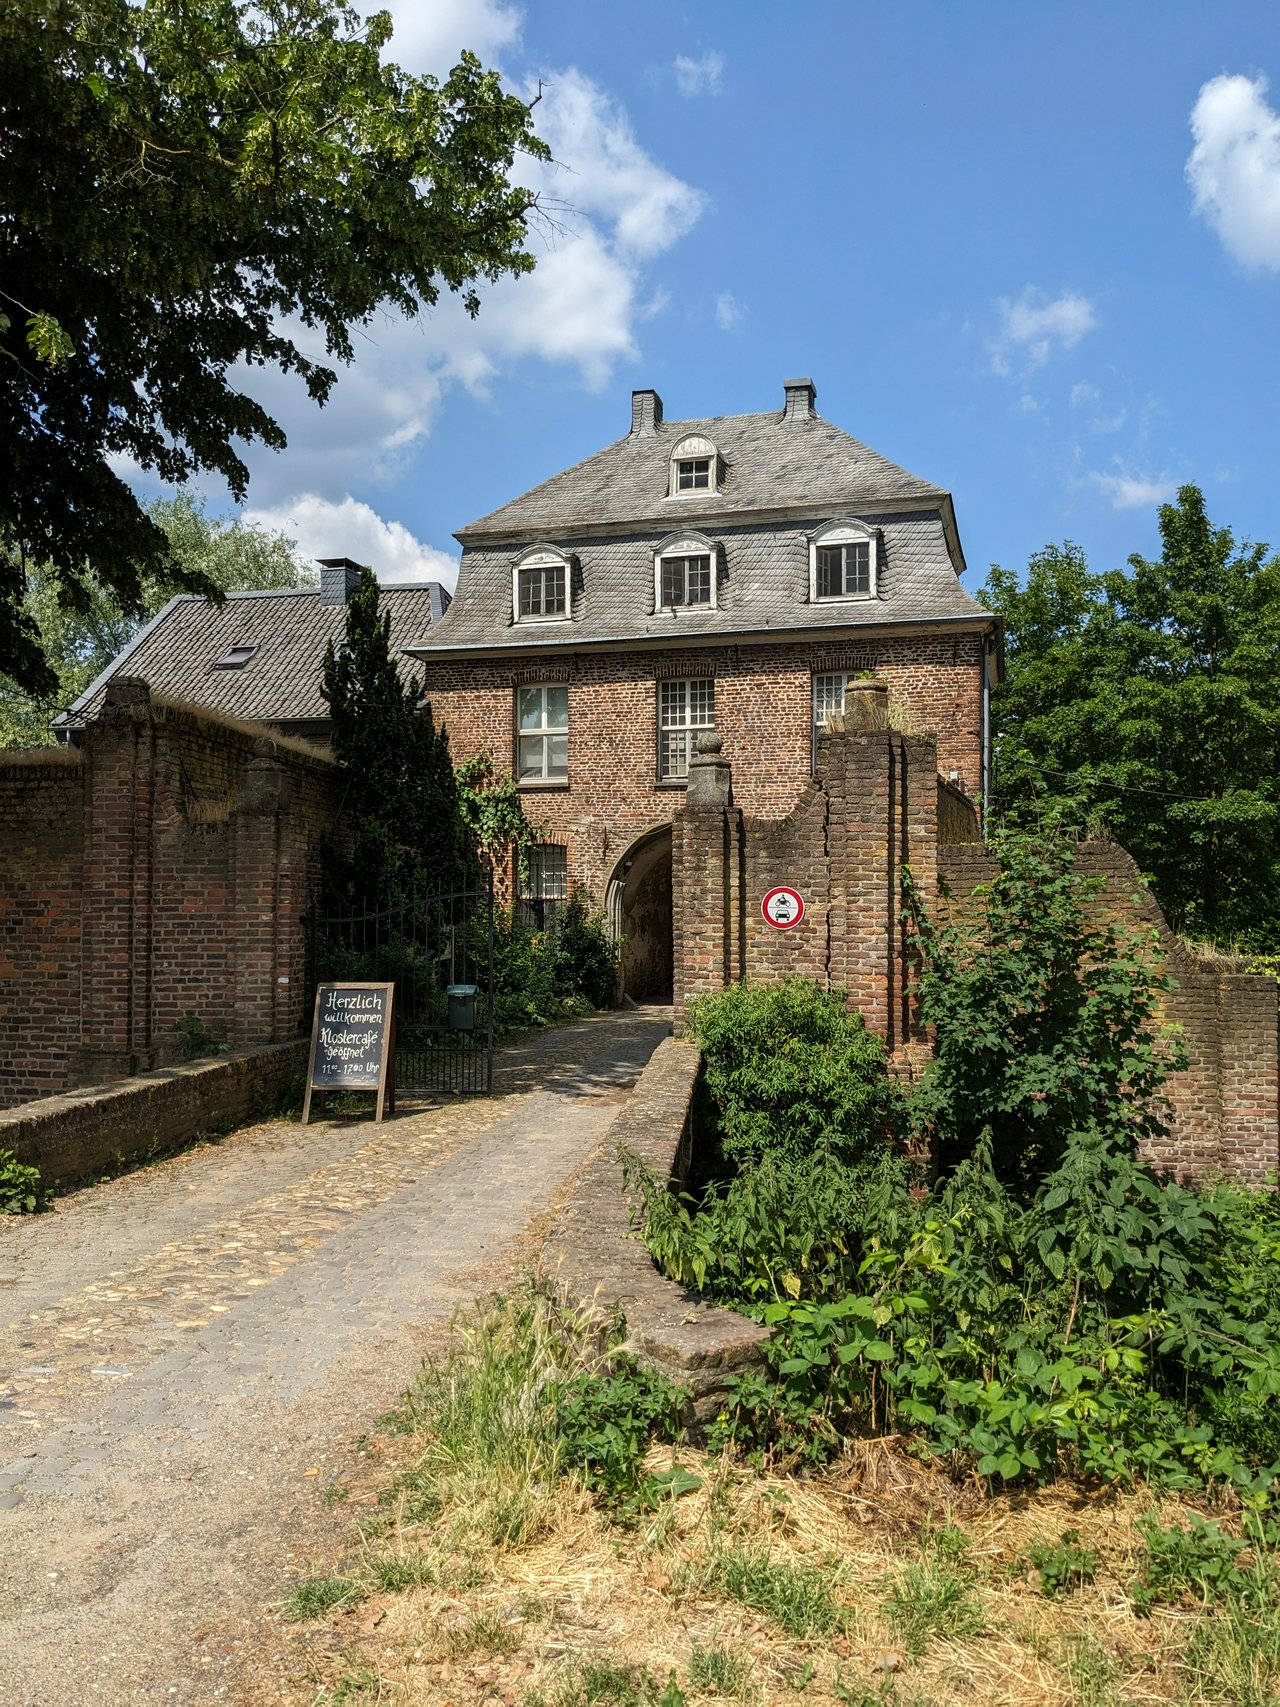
[{"x": 181, "y": 1351}]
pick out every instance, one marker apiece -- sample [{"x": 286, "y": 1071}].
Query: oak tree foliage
[
  {"x": 192, "y": 191},
  {"x": 1146, "y": 701}
]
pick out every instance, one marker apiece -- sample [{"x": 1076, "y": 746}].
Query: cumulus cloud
[
  {"x": 616, "y": 210},
  {"x": 699, "y": 76},
  {"x": 1033, "y": 327},
  {"x": 323, "y": 528},
  {"x": 1234, "y": 168},
  {"x": 1127, "y": 491},
  {"x": 431, "y": 37},
  {"x": 729, "y": 312}
]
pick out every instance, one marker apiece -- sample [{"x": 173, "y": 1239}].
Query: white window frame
[
  {"x": 541, "y": 897},
  {"x": 681, "y": 721},
  {"x": 541, "y": 557},
  {"x": 542, "y": 733},
  {"x": 843, "y": 677},
  {"x": 686, "y": 545},
  {"x": 842, "y": 534},
  {"x": 693, "y": 448}
]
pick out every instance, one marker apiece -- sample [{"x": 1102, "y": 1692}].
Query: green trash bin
[{"x": 462, "y": 1006}]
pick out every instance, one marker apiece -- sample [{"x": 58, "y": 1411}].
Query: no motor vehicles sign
[{"x": 783, "y": 908}]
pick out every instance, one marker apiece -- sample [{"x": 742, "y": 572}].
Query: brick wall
[
  {"x": 1224, "y": 1108},
  {"x": 763, "y": 696},
  {"x": 162, "y": 874},
  {"x": 41, "y": 877}
]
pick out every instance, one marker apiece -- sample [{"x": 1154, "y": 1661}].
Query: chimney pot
[{"x": 646, "y": 413}]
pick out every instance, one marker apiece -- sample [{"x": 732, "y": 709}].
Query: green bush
[
  {"x": 22, "y": 1191},
  {"x": 792, "y": 1073},
  {"x": 586, "y": 962}
]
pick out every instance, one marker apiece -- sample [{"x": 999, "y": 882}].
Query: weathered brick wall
[
  {"x": 80, "y": 1133},
  {"x": 594, "y": 1260},
  {"x": 41, "y": 879},
  {"x": 870, "y": 810},
  {"x": 170, "y": 866},
  {"x": 1224, "y": 1108},
  {"x": 764, "y": 711}
]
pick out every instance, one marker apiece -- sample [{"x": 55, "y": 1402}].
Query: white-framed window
[
  {"x": 540, "y": 585},
  {"x": 842, "y": 563},
  {"x": 685, "y": 710},
  {"x": 695, "y": 467},
  {"x": 684, "y": 572},
  {"x": 545, "y": 889},
  {"x": 542, "y": 733},
  {"x": 828, "y": 699}
]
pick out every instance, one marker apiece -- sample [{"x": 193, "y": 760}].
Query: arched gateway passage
[{"x": 639, "y": 905}]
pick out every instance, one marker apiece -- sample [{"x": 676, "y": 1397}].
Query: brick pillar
[
  {"x": 706, "y": 889},
  {"x": 259, "y": 916},
  {"x": 116, "y": 1037}
]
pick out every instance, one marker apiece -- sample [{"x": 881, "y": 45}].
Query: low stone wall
[
  {"x": 76, "y": 1135},
  {"x": 592, "y": 1257}
]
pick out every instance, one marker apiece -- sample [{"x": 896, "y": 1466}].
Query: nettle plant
[{"x": 1037, "y": 1300}]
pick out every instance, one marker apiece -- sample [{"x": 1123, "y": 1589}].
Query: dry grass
[
  {"x": 878, "y": 1581},
  {"x": 52, "y": 758}
]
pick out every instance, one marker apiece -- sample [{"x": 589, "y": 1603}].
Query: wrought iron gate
[{"x": 437, "y": 948}]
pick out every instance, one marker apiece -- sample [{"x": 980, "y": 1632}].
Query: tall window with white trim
[
  {"x": 540, "y": 588},
  {"x": 842, "y": 562},
  {"x": 542, "y": 734},
  {"x": 828, "y": 700},
  {"x": 545, "y": 889},
  {"x": 685, "y": 709}
]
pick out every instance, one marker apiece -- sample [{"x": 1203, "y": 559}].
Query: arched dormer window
[
  {"x": 685, "y": 572},
  {"x": 541, "y": 585},
  {"x": 843, "y": 562},
  {"x": 695, "y": 467}
]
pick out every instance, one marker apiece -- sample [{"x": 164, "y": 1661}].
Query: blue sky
[{"x": 1030, "y": 252}]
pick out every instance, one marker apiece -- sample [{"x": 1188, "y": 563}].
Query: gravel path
[{"x": 185, "y": 1352}]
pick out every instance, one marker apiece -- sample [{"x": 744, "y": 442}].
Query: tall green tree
[
  {"x": 401, "y": 801},
  {"x": 1147, "y": 701},
  {"x": 189, "y": 192},
  {"x": 232, "y": 556}
]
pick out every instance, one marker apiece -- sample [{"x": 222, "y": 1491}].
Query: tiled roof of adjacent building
[{"x": 177, "y": 653}]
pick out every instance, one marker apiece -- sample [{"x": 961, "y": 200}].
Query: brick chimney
[
  {"x": 646, "y": 414},
  {"x": 801, "y": 396},
  {"x": 339, "y": 580}
]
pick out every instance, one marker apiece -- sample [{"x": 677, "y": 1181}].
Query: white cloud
[
  {"x": 1082, "y": 393},
  {"x": 1234, "y": 168},
  {"x": 579, "y": 308},
  {"x": 323, "y": 528},
  {"x": 430, "y": 34},
  {"x": 1033, "y": 327},
  {"x": 1133, "y": 491},
  {"x": 699, "y": 76},
  {"x": 729, "y": 312}
]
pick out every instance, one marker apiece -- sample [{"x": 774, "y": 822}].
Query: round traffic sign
[{"x": 783, "y": 907}]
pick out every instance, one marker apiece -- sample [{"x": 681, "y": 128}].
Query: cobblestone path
[{"x": 182, "y": 1349}]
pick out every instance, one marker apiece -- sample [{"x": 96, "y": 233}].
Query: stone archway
[{"x": 639, "y": 907}]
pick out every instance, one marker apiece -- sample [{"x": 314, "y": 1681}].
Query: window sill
[
  {"x": 669, "y": 782},
  {"x": 847, "y": 599},
  {"x": 539, "y": 621},
  {"x": 552, "y": 783}
]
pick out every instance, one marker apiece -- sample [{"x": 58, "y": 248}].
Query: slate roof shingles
[{"x": 176, "y": 656}]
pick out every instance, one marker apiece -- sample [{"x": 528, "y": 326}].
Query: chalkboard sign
[{"x": 353, "y": 1043}]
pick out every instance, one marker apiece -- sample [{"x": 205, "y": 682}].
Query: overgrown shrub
[
  {"x": 791, "y": 1073},
  {"x": 586, "y": 963},
  {"x": 1048, "y": 1304}
]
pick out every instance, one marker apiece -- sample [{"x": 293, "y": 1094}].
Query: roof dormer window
[
  {"x": 843, "y": 563},
  {"x": 695, "y": 467},
  {"x": 540, "y": 585},
  {"x": 685, "y": 572}
]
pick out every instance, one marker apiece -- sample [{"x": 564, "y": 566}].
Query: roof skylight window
[{"x": 236, "y": 657}]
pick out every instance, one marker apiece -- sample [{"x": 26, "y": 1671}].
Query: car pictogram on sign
[{"x": 783, "y": 908}]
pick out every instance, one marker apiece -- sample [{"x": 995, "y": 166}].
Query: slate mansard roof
[
  {"x": 782, "y": 475},
  {"x": 177, "y": 653}
]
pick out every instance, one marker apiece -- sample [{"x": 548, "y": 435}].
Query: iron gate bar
[{"x": 407, "y": 942}]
